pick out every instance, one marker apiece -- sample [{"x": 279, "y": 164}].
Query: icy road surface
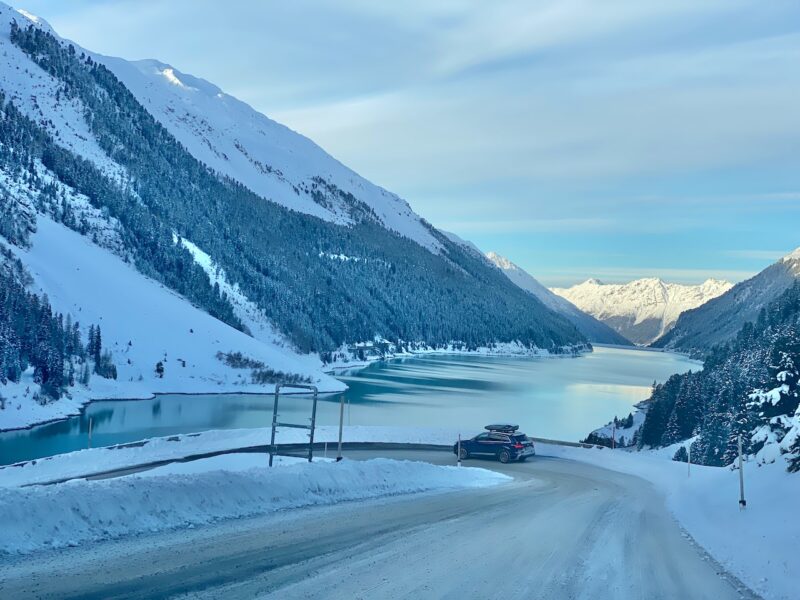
[{"x": 563, "y": 530}]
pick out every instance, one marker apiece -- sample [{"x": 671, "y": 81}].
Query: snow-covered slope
[
  {"x": 219, "y": 130},
  {"x": 142, "y": 323},
  {"x": 594, "y": 330},
  {"x": 642, "y": 310},
  {"x": 272, "y": 160},
  {"x": 721, "y": 318},
  {"x": 40, "y": 97}
]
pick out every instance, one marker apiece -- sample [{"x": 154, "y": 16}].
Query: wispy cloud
[{"x": 667, "y": 131}]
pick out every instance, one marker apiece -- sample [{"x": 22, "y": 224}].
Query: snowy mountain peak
[
  {"x": 502, "y": 262},
  {"x": 792, "y": 256},
  {"x": 171, "y": 76},
  {"x": 644, "y": 309}
]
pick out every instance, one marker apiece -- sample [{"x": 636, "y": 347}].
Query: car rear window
[{"x": 521, "y": 437}]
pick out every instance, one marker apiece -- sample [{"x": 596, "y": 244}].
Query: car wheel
[
  {"x": 463, "y": 453},
  {"x": 504, "y": 456}
]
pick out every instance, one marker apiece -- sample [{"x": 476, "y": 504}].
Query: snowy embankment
[{"x": 98, "y": 510}]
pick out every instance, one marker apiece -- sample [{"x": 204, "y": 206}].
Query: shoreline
[{"x": 484, "y": 351}]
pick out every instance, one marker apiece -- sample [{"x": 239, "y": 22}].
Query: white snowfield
[
  {"x": 98, "y": 510},
  {"x": 642, "y": 300}
]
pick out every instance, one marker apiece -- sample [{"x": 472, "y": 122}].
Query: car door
[
  {"x": 498, "y": 441},
  {"x": 481, "y": 444}
]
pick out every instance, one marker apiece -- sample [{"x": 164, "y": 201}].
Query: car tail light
[{"x": 518, "y": 446}]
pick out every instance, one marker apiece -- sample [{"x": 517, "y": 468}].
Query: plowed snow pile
[{"x": 69, "y": 514}]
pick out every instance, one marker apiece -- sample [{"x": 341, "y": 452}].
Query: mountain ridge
[
  {"x": 719, "y": 320},
  {"x": 642, "y": 310}
]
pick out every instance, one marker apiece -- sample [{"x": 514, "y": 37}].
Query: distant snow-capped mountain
[
  {"x": 594, "y": 330},
  {"x": 721, "y": 318},
  {"x": 642, "y": 310}
]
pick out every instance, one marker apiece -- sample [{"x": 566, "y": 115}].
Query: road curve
[{"x": 562, "y": 530}]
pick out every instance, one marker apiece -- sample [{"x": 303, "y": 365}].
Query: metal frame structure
[{"x": 273, "y": 448}]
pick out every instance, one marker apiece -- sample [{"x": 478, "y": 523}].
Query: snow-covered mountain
[
  {"x": 594, "y": 330},
  {"x": 270, "y": 159},
  {"x": 232, "y": 233},
  {"x": 721, "y": 318},
  {"x": 642, "y": 310}
]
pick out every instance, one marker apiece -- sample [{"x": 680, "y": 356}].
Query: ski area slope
[
  {"x": 594, "y": 330},
  {"x": 642, "y": 310},
  {"x": 568, "y": 530},
  {"x": 721, "y": 318},
  {"x": 142, "y": 323}
]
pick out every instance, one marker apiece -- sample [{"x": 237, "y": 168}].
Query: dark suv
[{"x": 501, "y": 441}]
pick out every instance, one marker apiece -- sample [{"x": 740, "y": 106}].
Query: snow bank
[{"x": 91, "y": 511}]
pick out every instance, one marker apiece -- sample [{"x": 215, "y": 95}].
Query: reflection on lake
[{"x": 554, "y": 398}]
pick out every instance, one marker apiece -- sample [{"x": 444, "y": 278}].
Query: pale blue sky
[{"x": 614, "y": 139}]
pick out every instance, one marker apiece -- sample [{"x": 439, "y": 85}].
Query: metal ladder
[{"x": 273, "y": 448}]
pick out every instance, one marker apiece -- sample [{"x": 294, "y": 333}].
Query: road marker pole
[
  {"x": 90, "y": 433},
  {"x": 614, "y": 435},
  {"x": 689, "y": 461},
  {"x": 459, "y": 449},
  {"x": 341, "y": 425},
  {"x": 742, "y": 501}
]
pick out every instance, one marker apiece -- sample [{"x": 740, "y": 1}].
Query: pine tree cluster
[
  {"x": 33, "y": 335},
  {"x": 716, "y": 404}
]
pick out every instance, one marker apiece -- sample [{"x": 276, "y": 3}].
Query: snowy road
[{"x": 561, "y": 530}]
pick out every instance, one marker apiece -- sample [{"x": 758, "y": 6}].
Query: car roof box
[{"x": 503, "y": 427}]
